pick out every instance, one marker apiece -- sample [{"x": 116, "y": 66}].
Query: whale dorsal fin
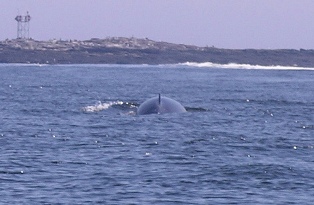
[{"x": 159, "y": 98}]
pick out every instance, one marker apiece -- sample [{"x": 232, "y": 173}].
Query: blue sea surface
[{"x": 69, "y": 134}]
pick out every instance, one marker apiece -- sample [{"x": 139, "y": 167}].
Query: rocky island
[{"x": 120, "y": 50}]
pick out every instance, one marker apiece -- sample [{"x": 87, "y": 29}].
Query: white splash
[
  {"x": 243, "y": 66},
  {"x": 99, "y": 106}
]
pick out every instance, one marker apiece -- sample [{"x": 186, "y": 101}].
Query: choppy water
[{"x": 70, "y": 135}]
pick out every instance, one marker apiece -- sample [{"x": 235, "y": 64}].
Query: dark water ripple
[{"x": 70, "y": 135}]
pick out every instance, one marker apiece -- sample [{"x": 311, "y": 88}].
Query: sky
[{"x": 234, "y": 24}]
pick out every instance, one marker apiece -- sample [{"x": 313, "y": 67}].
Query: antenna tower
[{"x": 23, "y": 26}]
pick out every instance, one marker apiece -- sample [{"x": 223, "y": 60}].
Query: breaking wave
[
  {"x": 189, "y": 64},
  {"x": 243, "y": 66}
]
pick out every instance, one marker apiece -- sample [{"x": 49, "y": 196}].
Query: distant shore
[{"x": 119, "y": 50}]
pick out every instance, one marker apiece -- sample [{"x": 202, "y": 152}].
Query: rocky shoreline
[{"x": 119, "y": 50}]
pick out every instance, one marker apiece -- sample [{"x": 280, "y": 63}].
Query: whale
[{"x": 160, "y": 105}]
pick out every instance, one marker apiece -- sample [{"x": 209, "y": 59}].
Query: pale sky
[{"x": 268, "y": 24}]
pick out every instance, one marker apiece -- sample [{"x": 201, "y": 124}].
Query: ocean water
[{"x": 69, "y": 134}]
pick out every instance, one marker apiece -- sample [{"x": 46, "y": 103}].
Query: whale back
[{"x": 160, "y": 105}]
